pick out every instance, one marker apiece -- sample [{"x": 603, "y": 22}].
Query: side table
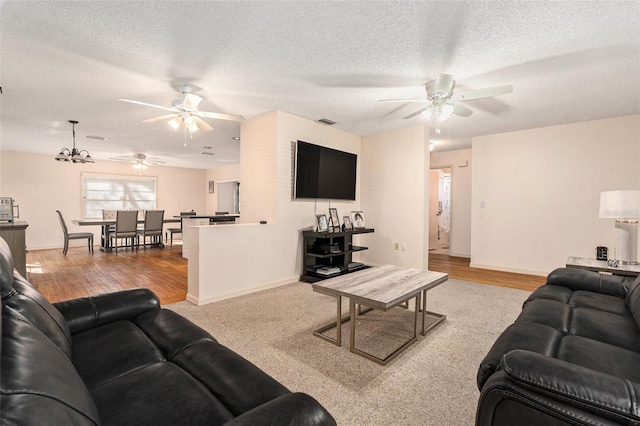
[{"x": 591, "y": 264}]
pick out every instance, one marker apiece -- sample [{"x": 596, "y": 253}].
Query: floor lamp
[{"x": 624, "y": 207}]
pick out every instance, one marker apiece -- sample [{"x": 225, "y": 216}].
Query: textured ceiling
[{"x": 568, "y": 61}]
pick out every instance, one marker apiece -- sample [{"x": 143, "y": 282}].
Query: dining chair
[
  {"x": 126, "y": 227},
  {"x": 153, "y": 222},
  {"x": 172, "y": 231},
  {"x": 74, "y": 235}
]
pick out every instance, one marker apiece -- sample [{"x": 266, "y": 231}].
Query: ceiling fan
[
  {"x": 442, "y": 101},
  {"x": 140, "y": 161},
  {"x": 185, "y": 111}
]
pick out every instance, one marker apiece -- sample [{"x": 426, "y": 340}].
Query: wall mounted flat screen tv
[{"x": 324, "y": 173}]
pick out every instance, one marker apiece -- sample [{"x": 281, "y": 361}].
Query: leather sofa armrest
[
  {"x": 574, "y": 385},
  {"x": 294, "y": 409},
  {"x": 580, "y": 279},
  {"x": 90, "y": 312}
]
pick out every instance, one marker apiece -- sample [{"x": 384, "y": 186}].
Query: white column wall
[{"x": 395, "y": 196}]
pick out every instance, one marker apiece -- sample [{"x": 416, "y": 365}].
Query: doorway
[{"x": 440, "y": 210}]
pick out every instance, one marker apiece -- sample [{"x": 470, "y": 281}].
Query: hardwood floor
[
  {"x": 79, "y": 273},
  {"x": 458, "y": 267},
  {"x": 164, "y": 271}
]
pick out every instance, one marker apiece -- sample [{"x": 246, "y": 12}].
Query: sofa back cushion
[
  {"x": 39, "y": 384},
  {"x": 633, "y": 299},
  {"x": 21, "y": 296}
]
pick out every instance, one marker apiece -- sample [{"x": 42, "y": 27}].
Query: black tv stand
[{"x": 330, "y": 249}]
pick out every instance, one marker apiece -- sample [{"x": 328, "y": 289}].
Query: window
[{"x": 113, "y": 192}]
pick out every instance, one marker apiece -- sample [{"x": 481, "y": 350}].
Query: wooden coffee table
[{"x": 382, "y": 288}]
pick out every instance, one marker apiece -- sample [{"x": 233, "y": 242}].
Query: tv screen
[{"x": 324, "y": 173}]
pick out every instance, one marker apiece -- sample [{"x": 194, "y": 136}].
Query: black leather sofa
[
  {"x": 119, "y": 359},
  {"x": 571, "y": 358}
]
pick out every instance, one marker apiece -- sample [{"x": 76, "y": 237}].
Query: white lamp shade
[
  {"x": 446, "y": 111},
  {"x": 620, "y": 204}
]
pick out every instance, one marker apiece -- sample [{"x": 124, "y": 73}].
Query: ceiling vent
[
  {"x": 326, "y": 121},
  {"x": 207, "y": 153}
]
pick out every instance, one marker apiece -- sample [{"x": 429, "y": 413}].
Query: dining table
[{"x": 105, "y": 242}]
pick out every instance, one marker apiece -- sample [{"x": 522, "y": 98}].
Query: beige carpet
[{"x": 432, "y": 383}]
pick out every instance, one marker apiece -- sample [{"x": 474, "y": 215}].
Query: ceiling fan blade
[
  {"x": 146, "y": 104},
  {"x": 403, "y": 100},
  {"x": 202, "y": 125},
  {"x": 488, "y": 92},
  {"x": 462, "y": 111},
  {"x": 160, "y": 118},
  {"x": 418, "y": 111},
  {"x": 444, "y": 84},
  {"x": 219, "y": 116},
  {"x": 191, "y": 101}
]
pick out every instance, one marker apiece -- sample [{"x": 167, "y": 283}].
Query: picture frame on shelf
[
  {"x": 322, "y": 224},
  {"x": 333, "y": 215},
  {"x": 357, "y": 219},
  {"x": 346, "y": 223}
]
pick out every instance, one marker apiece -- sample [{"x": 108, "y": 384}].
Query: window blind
[{"x": 116, "y": 192}]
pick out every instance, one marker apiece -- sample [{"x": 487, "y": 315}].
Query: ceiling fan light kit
[
  {"x": 74, "y": 155},
  {"x": 443, "y": 101}
]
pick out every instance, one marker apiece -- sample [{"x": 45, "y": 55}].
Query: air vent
[
  {"x": 207, "y": 153},
  {"x": 326, "y": 121},
  {"x": 100, "y": 138}
]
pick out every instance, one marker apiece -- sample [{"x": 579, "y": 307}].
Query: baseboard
[
  {"x": 464, "y": 255},
  {"x": 512, "y": 270},
  {"x": 233, "y": 294}
]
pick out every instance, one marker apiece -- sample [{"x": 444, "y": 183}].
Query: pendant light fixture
[{"x": 74, "y": 155}]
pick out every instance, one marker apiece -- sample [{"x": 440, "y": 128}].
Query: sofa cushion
[
  {"x": 170, "y": 332},
  {"x": 159, "y": 394},
  {"x": 601, "y": 302},
  {"x": 525, "y": 335},
  {"x": 633, "y": 299},
  {"x": 600, "y": 356},
  {"x": 235, "y": 381},
  {"x": 37, "y": 310},
  {"x": 38, "y": 384},
  {"x": 547, "y": 312},
  {"x": 105, "y": 353},
  {"x": 617, "y": 330},
  {"x": 551, "y": 292}
]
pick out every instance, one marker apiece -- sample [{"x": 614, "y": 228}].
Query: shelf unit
[{"x": 313, "y": 254}]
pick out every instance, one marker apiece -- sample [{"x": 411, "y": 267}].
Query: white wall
[
  {"x": 395, "y": 196},
  {"x": 542, "y": 187},
  {"x": 41, "y": 185},
  {"x": 461, "y": 165},
  {"x": 219, "y": 175}
]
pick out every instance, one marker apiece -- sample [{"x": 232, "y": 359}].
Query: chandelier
[{"x": 74, "y": 155}]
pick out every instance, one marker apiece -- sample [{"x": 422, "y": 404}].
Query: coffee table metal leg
[
  {"x": 382, "y": 361},
  {"x": 337, "y": 324},
  {"x": 440, "y": 317}
]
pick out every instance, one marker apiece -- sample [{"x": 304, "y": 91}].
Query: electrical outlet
[
  {"x": 404, "y": 247},
  {"x": 482, "y": 204},
  {"x": 396, "y": 246}
]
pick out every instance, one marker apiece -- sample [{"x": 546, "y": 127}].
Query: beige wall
[
  {"x": 461, "y": 165},
  {"x": 219, "y": 175},
  {"x": 541, "y": 188},
  {"x": 395, "y": 196},
  {"x": 41, "y": 186}
]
